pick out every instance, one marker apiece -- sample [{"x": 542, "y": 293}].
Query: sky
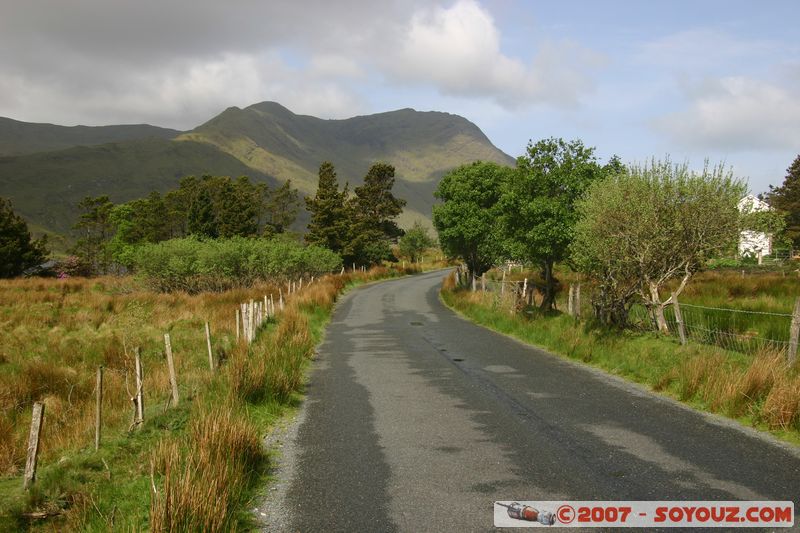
[{"x": 692, "y": 80}]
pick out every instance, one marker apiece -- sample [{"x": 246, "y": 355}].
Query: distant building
[{"x": 753, "y": 242}]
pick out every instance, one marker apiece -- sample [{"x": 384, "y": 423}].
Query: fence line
[{"x": 740, "y": 330}]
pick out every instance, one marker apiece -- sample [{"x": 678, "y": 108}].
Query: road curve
[{"x": 417, "y": 420}]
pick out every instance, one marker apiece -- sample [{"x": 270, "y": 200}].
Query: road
[{"x": 417, "y": 420}]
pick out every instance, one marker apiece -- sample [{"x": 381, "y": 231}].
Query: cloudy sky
[{"x": 692, "y": 79}]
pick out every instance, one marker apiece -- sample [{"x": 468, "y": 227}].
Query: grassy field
[
  {"x": 758, "y": 390},
  {"x": 191, "y": 466}
]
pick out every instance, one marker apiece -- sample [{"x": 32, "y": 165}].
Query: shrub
[{"x": 194, "y": 265}]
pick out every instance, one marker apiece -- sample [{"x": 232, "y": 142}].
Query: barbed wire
[{"x": 731, "y": 310}]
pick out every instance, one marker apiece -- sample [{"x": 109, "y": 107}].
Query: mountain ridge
[{"x": 265, "y": 140}]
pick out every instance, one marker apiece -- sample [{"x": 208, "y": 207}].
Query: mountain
[
  {"x": 19, "y": 138},
  {"x": 265, "y": 141},
  {"x": 46, "y": 187}
]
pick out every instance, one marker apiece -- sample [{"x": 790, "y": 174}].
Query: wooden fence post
[
  {"x": 578, "y": 300},
  {"x": 237, "y": 324},
  {"x": 571, "y": 301},
  {"x": 138, "y": 415},
  {"x": 208, "y": 343},
  {"x": 98, "y": 415},
  {"x": 679, "y": 318},
  {"x": 33, "y": 444},
  {"x": 173, "y": 380},
  {"x": 524, "y": 290},
  {"x": 794, "y": 333},
  {"x": 251, "y": 321},
  {"x": 503, "y": 284},
  {"x": 483, "y": 282}
]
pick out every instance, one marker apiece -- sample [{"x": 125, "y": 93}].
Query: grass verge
[{"x": 759, "y": 391}]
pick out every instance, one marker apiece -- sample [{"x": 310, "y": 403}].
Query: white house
[{"x": 753, "y": 242}]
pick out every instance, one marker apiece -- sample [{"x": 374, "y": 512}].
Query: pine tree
[
  {"x": 282, "y": 207},
  {"x": 329, "y": 215},
  {"x": 201, "y": 220},
  {"x": 786, "y": 198},
  {"x": 375, "y": 205},
  {"x": 372, "y": 214},
  {"x": 95, "y": 229},
  {"x": 18, "y": 251}
]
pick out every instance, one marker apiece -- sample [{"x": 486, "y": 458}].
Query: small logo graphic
[
  {"x": 530, "y": 514},
  {"x": 565, "y": 514}
]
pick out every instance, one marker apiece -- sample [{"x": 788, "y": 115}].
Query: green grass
[{"x": 759, "y": 392}]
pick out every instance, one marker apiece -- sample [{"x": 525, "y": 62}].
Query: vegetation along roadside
[{"x": 192, "y": 464}]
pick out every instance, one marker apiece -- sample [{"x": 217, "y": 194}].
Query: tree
[
  {"x": 18, "y": 251},
  {"x": 415, "y": 242},
  {"x": 372, "y": 213},
  {"x": 538, "y": 204},
  {"x": 282, "y": 207},
  {"x": 94, "y": 229},
  {"x": 238, "y": 207},
  {"x": 650, "y": 225},
  {"x": 465, "y": 220},
  {"x": 329, "y": 214},
  {"x": 786, "y": 198},
  {"x": 201, "y": 220}
]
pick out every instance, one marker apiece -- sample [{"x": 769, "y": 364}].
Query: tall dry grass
[
  {"x": 55, "y": 333},
  {"x": 205, "y": 474}
]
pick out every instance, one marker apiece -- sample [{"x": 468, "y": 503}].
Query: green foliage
[
  {"x": 372, "y": 213},
  {"x": 538, "y": 204},
  {"x": 195, "y": 265},
  {"x": 201, "y": 220},
  {"x": 415, "y": 242},
  {"x": 655, "y": 223},
  {"x": 786, "y": 199},
  {"x": 94, "y": 230},
  {"x": 18, "y": 250},
  {"x": 282, "y": 207},
  {"x": 466, "y": 218},
  {"x": 329, "y": 223}
]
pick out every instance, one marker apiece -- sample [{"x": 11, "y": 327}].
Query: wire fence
[{"x": 740, "y": 330}]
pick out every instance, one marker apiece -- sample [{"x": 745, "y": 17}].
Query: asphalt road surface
[{"x": 417, "y": 420}]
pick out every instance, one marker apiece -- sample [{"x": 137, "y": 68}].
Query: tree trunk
[
  {"x": 549, "y": 296},
  {"x": 658, "y": 310}
]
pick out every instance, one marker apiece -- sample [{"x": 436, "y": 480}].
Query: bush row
[{"x": 194, "y": 265}]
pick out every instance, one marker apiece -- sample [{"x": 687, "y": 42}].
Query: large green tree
[
  {"x": 373, "y": 211},
  {"x": 282, "y": 208},
  {"x": 18, "y": 250},
  {"x": 201, "y": 219},
  {"x": 538, "y": 204},
  {"x": 329, "y": 213},
  {"x": 650, "y": 225},
  {"x": 466, "y": 220},
  {"x": 786, "y": 198},
  {"x": 94, "y": 230}
]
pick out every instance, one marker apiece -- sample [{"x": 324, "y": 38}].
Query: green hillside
[
  {"x": 262, "y": 141},
  {"x": 18, "y": 138},
  {"x": 46, "y": 187},
  {"x": 421, "y": 145}
]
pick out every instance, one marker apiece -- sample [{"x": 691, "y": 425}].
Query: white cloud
[
  {"x": 181, "y": 94},
  {"x": 736, "y": 113},
  {"x": 458, "y": 49},
  {"x": 180, "y": 62}
]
